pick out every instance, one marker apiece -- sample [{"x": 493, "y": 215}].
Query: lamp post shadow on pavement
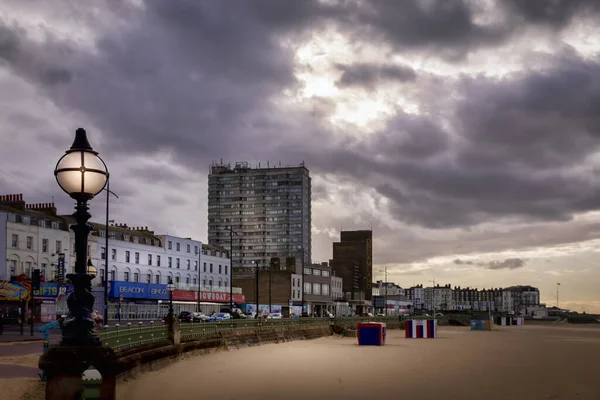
[{"x": 82, "y": 174}]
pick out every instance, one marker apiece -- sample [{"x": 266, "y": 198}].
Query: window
[
  {"x": 325, "y": 273},
  {"x": 187, "y": 280},
  {"x": 30, "y": 242},
  {"x": 28, "y": 268},
  {"x": 196, "y": 249},
  {"x": 13, "y": 267},
  {"x": 58, "y": 246},
  {"x": 211, "y": 269},
  {"x": 137, "y": 257},
  {"x": 204, "y": 269},
  {"x": 325, "y": 289},
  {"x": 195, "y": 265},
  {"x": 102, "y": 253},
  {"x": 204, "y": 282},
  {"x": 317, "y": 272},
  {"x": 220, "y": 269},
  {"x": 158, "y": 261},
  {"x": 316, "y": 287},
  {"x": 307, "y": 287},
  {"x": 112, "y": 275},
  {"x": 149, "y": 259},
  {"x": 136, "y": 277},
  {"x": 195, "y": 281},
  {"x": 157, "y": 279},
  {"x": 220, "y": 283},
  {"x": 44, "y": 245},
  {"x": 188, "y": 248},
  {"x": 307, "y": 271},
  {"x": 176, "y": 279},
  {"x": 178, "y": 246},
  {"x": 170, "y": 262},
  {"x": 170, "y": 245},
  {"x": 126, "y": 276},
  {"x": 127, "y": 256},
  {"x": 210, "y": 282},
  {"x": 101, "y": 274},
  {"x": 188, "y": 264},
  {"x": 45, "y": 266},
  {"x": 177, "y": 262},
  {"x": 226, "y": 268},
  {"x": 114, "y": 254},
  {"x": 149, "y": 278}
]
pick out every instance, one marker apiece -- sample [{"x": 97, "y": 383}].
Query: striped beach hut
[{"x": 420, "y": 328}]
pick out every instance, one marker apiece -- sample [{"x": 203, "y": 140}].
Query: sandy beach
[{"x": 528, "y": 362}]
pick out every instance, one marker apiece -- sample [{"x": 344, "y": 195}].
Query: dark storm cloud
[
  {"x": 556, "y": 13},
  {"x": 198, "y": 80},
  {"x": 369, "y": 75},
  {"x": 458, "y": 261},
  {"x": 515, "y": 144},
  {"x": 509, "y": 263}
]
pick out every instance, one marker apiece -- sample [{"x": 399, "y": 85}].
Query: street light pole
[
  {"x": 170, "y": 289},
  {"x": 199, "y": 270},
  {"x": 231, "y": 269},
  {"x": 270, "y": 268},
  {"x": 231, "y": 232},
  {"x": 256, "y": 278},
  {"x": 108, "y": 193},
  {"x": 82, "y": 175}
]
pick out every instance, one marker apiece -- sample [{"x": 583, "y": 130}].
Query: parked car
[
  {"x": 275, "y": 316},
  {"x": 220, "y": 317},
  {"x": 186, "y": 316}
]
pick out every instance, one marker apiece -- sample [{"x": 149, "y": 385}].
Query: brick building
[{"x": 353, "y": 262}]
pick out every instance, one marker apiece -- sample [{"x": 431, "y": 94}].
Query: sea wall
[{"x": 154, "y": 357}]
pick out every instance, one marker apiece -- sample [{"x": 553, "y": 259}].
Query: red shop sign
[{"x": 213, "y": 297}]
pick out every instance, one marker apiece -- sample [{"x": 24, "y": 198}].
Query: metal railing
[
  {"x": 131, "y": 336},
  {"x": 120, "y": 337}
]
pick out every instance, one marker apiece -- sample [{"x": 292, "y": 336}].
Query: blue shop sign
[
  {"x": 136, "y": 290},
  {"x": 50, "y": 291}
]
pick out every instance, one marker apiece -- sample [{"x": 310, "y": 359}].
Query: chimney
[{"x": 14, "y": 201}]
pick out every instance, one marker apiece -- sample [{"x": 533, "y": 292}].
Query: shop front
[
  {"x": 135, "y": 300},
  {"x": 14, "y": 301}
]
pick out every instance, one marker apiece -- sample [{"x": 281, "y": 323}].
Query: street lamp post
[
  {"x": 199, "y": 254},
  {"x": 82, "y": 175},
  {"x": 170, "y": 289},
  {"x": 108, "y": 193},
  {"x": 231, "y": 232}
]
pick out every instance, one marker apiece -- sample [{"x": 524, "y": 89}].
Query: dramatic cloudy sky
[{"x": 466, "y": 133}]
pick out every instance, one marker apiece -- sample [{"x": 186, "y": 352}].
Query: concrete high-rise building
[{"x": 262, "y": 213}]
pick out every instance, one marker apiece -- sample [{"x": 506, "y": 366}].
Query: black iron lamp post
[
  {"x": 170, "y": 289},
  {"x": 82, "y": 175}
]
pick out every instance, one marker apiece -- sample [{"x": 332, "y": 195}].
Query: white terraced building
[{"x": 33, "y": 237}]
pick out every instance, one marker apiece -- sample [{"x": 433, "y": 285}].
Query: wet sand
[{"x": 528, "y": 362}]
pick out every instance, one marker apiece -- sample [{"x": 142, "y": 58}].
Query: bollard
[
  {"x": 152, "y": 330},
  {"x": 91, "y": 380},
  {"x": 129, "y": 333},
  {"x": 118, "y": 327},
  {"x": 140, "y": 325}
]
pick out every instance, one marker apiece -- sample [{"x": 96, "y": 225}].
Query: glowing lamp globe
[
  {"x": 171, "y": 287},
  {"x": 81, "y": 173}
]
